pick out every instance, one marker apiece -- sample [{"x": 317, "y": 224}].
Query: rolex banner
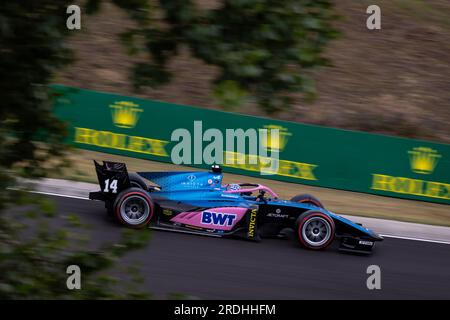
[{"x": 307, "y": 154}]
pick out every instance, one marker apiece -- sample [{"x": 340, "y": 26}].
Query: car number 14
[{"x": 110, "y": 187}]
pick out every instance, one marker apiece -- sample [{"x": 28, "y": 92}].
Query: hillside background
[{"x": 393, "y": 81}]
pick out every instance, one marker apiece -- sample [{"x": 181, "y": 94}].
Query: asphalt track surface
[{"x": 215, "y": 268}]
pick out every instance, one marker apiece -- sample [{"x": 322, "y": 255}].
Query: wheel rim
[
  {"x": 316, "y": 231},
  {"x": 134, "y": 210}
]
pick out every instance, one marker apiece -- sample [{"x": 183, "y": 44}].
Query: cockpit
[{"x": 251, "y": 191}]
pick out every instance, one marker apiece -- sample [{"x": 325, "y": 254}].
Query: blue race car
[{"x": 198, "y": 203}]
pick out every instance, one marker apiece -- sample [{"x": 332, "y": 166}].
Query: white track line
[
  {"x": 414, "y": 239},
  {"x": 383, "y": 235},
  {"x": 51, "y": 194}
]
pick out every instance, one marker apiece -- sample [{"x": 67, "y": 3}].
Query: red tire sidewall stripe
[
  {"x": 150, "y": 203},
  {"x": 316, "y": 213},
  {"x": 317, "y": 204}
]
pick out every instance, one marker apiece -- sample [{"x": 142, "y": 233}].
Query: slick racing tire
[
  {"x": 314, "y": 230},
  {"x": 309, "y": 199},
  {"x": 134, "y": 208},
  {"x": 136, "y": 181}
]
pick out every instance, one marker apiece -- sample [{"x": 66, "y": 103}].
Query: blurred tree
[
  {"x": 34, "y": 256},
  {"x": 32, "y": 47},
  {"x": 265, "y": 49}
]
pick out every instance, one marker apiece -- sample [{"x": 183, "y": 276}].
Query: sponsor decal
[
  {"x": 286, "y": 168},
  {"x": 279, "y": 144},
  {"x": 410, "y": 186},
  {"x": 252, "y": 224},
  {"x": 366, "y": 243},
  {"x": 192, "y": 184},
  {"x": 278, "y": 215},
  {"x": 118, "y": 141},
  {"x": 423, "y": 161},
  {"x": 125, "y": 114},
  {"x": 218, "y": 218},
  {"x": 167, "y": 212},
  {"x": 234, "y": 186}
]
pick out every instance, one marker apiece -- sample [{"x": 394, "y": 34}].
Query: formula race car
[{"x": 198, "y": 203}]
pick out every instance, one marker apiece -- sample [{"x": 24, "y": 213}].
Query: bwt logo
[{"x": 218, "y": 219}]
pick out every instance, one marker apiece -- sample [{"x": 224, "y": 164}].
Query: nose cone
[{"x": 376, "y": 236}]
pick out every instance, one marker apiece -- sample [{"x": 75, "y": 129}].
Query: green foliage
[
  {"x": 265, "y": 50},
  {"x": 34, "y": 256},
  {"x": 229, "y": 94},
  {"x": 268, "y": 49},
  {"x": 32, "y": 35},
  {"x": 34, "y": 253}
]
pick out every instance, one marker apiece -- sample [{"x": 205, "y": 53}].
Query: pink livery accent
[
  {"x": 253, "y": 189},
  {"x": 224, "y": 218}
]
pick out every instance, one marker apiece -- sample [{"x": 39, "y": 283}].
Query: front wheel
[
  {"x": 315, "y": 230},
  {"x": 134, "y": 208}
]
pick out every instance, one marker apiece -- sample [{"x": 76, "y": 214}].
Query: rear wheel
[
  {"x": 134, "y": 208},
  {"x": 309, "y": 199},
  {"x": 315, "y": 230}
]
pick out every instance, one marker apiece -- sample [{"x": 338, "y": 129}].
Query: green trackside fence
[{"x": 308, "y": 154}]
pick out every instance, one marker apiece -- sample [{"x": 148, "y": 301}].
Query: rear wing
[{"x": 112, "y": 179}]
